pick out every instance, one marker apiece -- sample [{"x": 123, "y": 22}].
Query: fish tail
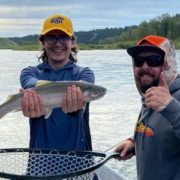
[
  {"x": 7, "y": 107},
  {"x": 2, "y": 111}
]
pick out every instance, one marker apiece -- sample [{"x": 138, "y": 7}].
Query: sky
[{"x": 19, "y": 18}]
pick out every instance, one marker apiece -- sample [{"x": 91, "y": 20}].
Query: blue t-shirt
[{"x": 60, "y": 130}]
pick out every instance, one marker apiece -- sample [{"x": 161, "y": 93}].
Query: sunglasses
[
  {"x": 152, "y": 61},
  {"x": 63, "y": 39}
]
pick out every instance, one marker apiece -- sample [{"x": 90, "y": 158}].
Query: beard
[{"x": 144, "y": 86}]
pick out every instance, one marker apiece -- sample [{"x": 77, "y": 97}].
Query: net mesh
[{"x": 47, "y": 163}]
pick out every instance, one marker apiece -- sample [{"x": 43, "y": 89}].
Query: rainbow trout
[{"x": 52, "y": 92}]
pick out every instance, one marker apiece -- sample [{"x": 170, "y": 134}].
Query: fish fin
[
  {"x": 47, "y": 113},
  {"x": 18, "y": 109},
  {"x": 42, "y": 82},
  {"x": 10, "y": 96},
  {"x": 84, "y": 107}
]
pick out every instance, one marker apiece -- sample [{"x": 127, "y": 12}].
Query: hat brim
[
  {"x": 52, "y": 29},
  {"x": 60, "y": 29},
  {"x": 135, "y": 50}
]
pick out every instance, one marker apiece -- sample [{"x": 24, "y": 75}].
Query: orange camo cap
[
  {"x": 151, "y": 43},
  {"x": 152, "y": 39},
  {"x": 58, "y": 22},
  {"x": 161, "y": 45}
]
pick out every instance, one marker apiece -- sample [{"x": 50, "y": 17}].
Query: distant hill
[
  {"x": 111, "y": 38},
  {"x": 95, "y": 36},
  {"x": 93, "y": 39},
  {"x": 25, "y": 38},
  {"x": 6, "y": 43},
  {"x": 85, "y": 37}
]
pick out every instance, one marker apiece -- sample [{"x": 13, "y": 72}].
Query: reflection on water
[{"x": 112, "y": 118}]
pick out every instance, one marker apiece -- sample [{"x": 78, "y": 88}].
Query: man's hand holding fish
[
  {"x": 72, "y": 100},
  {"x": 33, "y": 105}
]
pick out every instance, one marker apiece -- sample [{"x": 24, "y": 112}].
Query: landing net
[{"x": 46, "y": 163}]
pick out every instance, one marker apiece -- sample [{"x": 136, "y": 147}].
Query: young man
[
  {"x": 157, "y": 133},
  {"x": 66, "y": 127}
]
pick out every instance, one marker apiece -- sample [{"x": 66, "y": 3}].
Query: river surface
[{"x": 112, "y": 118}]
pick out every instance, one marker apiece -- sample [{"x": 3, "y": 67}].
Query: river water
[{"x": 112, "y": 118}]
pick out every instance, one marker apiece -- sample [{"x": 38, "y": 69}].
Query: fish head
[{"x": 94, "y": 92}]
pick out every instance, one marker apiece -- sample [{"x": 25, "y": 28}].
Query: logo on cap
[{"x": 57, "y": 20}]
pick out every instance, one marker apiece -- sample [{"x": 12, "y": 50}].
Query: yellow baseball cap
[{"x": 59, "y": 22}]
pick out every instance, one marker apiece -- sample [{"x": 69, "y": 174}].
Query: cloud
[{"x": 27, "y": 16}]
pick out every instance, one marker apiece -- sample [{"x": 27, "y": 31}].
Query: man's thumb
[{"x": 162, "y": 81}]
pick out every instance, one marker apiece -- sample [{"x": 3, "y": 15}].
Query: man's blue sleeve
[
  {"x": 28, "y": 77},
  {"x": 87, "y": 75}
]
